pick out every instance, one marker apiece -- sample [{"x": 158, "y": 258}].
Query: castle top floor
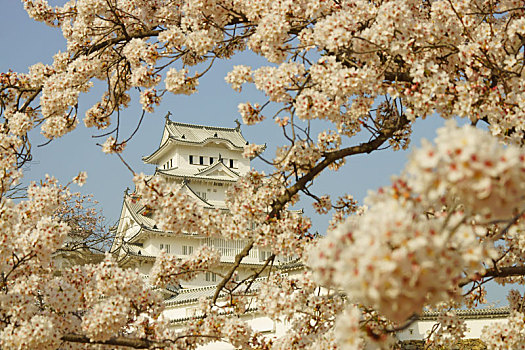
[{"x": 190, "y": 148}]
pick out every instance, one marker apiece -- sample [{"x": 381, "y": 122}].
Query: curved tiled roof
[
  {"x": 219, "y": 165},
  {"x": 196, "y": 177},
  {"x": 492, "y": 312},
  {"x": 206, "y": 203},
  {"x": 192, "y": 295},
  {"x": 190, "y": 134},
  {"x": 201, "y": 133},
  {"x": 222, "y": 313},
  {"x": 135, "y": 208}
]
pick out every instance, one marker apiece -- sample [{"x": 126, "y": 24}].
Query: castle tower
[{"x": 206, "y": 161}]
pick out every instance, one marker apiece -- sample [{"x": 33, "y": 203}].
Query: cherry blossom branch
[
  {"x": 238, "y": 259},
  {"x": 256, "y": 274},
  {"x": 280, "y": 202},
  {"x": 135, "y": 343},
  {"x": 500, "y": 272},
  {"x": 331, "y": 157},
  {"x": 113, "y": 41}
]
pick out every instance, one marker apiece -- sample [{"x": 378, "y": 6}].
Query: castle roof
[
  {"x": 176, "y": 133},
  {"x": 490, "y": 312},
  {"x": 192, "y": 295},
  {"x": 215, "y": 172}
]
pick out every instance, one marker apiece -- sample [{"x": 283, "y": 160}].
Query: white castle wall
[{"x": 420, "y": 329}]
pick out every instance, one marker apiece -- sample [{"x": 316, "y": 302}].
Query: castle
[{"x": 205, "y": 161}]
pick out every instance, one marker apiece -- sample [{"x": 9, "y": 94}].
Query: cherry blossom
[{"x": 342, "y": 79}]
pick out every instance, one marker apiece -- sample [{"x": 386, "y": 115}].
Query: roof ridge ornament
[
  {"x": 238, "y": 127},
  {"x": 168, "y": 116}
]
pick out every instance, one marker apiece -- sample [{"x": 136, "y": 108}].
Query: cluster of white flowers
[
  {"x": 175, "y": 210},
  {"x": 300, "y": 301},
  {"x": 516, "y": 301},
  {"x": 506, "y": 335},
  {"x": 137, "y": 50},
  {"x": 20, "y": 123},
  {"x": 347, "y": 330},
  {"x": 251, "y": 114},
  {"x": 328, "y": 140},
  {"x": 400, "y": 258},
  {"x": 451, "y": 330},
  {"x": 168, "y": 269},
  {"x": 275, "y": 81},
  {"x": 300, "y": 157},
  {"x": 380, "y": 38},
  {"x": 238, "y": 76},
  {"x": 149, "y": 98},
  {"x": 111, "y": 146},
  {"x": 177, "y": 82},
  {"x": 249, "y": 202},
  {"x": 323, "y": 205},
  {"x": 37, "y": 333},
  {"x": 468, "y": 167},
  {"x": 42, "y": 307},
  {"x": 125, "y": 296},
  {"x": 251, "y": 150}
]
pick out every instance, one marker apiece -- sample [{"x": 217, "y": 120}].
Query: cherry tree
[{"x": 450, "y": 222}]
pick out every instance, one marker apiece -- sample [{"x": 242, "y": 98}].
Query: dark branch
[
  {"x": 501, "y": 272},
  {"x": 135, "y": 343},
  {"x": 332, "y": 157}
]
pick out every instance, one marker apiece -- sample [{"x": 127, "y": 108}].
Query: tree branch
[
  {"x": 507, "y": 271},
  {"x": 331, "y": 157},
  {"x": 113, "y": 41},
  {"x": 238, "y": 258},
  {"x": 135, "y": 343}
]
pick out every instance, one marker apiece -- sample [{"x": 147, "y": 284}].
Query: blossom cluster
[
  {"x": 168, "y": 269},
  {"x": 506, "y": 335},
  {"x": 400, "y": 257},
  {"x": 451, "y": 330},
  {"x": 468, "y": 167},
  {"x": 175, "y": 210},
  {"x": 300, "y": 301}
]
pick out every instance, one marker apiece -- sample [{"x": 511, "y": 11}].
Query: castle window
[
  {"x": 171, "y": 163},
  {"x": 231, "y": 163},
  {"x": 264, "y": 254},
  {"x": 211, "y": 277},
  {"x": 165, "y": 247},
  {"x": 201, "y": 160},
  {"x": 191, "y": 159},
  {"x": 201, "y": 194},
  {"x": 187, "y": 249},
  {"x": 211, "y": 160}
]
